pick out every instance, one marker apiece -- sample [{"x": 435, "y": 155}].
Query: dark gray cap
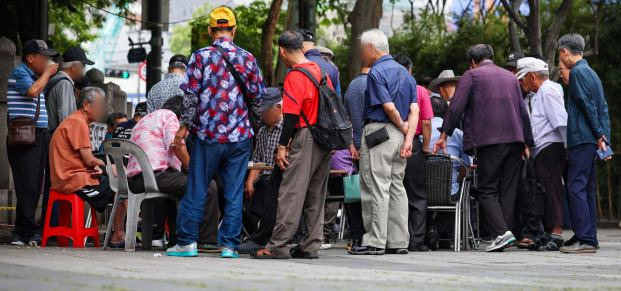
[{"x": 271, "y": 96}]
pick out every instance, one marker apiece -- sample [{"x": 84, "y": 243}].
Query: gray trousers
[
  {"x": 302, "y": 191},
  {"x": 384, "y": 199}
]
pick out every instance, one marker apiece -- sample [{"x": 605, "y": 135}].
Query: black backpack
[{"x": 333, "y": 131}]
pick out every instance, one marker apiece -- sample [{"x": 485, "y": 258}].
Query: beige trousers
[{"x": 383, "y": 197}]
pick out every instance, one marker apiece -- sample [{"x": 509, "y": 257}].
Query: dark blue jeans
[
  {"x": 581, "y": 192},
  {"x": 231, "y": 162}
]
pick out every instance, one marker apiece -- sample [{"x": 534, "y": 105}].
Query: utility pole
[{"x": 154, "y": 61}]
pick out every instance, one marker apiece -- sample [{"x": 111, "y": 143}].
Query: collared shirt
[
  {"x": 489, "y": 101},
  {"x": 164, "y": 90},
  {"x": 61, "y": 101},
  {"x": 587, "y": 108},
  {"x": 424, "y": 105},
  {"x": 214, "y": 106},
  {"x": 19, "y": 103},
  {"x": 265, "y": 145},
  {"x": 388, "y": 82},
  {"x": 454, "y": 147},
  {"x": 154, "y": 134},
  {"x": 68, "y": 171},
  {"x": 330, "y": 68},
  {"x": 548, "y": 118},
  {"x": 354, "y": 103}
]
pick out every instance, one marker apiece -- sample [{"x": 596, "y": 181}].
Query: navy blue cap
[{"x": 271, "y": 96}]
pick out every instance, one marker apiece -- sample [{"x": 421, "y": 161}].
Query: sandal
[
  {"x": 266, "y": 254},
  {"x": 525, "y": 243}
]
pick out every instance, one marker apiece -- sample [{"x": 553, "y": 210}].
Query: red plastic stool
[{"x": 70, "y": 222}]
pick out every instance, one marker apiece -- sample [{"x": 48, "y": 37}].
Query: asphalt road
[{"x": 55, "y": 268}]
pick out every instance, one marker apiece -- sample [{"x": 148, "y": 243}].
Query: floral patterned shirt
[
  {"x": 214, "y": 107},
  {"x": 154, "y": 134}
]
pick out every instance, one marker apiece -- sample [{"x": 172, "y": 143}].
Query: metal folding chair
[
  {"x": 117, "y": 149},
  {"x": 438, "y": 170}
]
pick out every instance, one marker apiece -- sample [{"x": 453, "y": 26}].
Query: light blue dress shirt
[{"x": 548, "y": 118}]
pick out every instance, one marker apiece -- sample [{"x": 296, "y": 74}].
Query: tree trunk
[
  {"x": 269, "y": 29},
  {"x": 292, "y": 23},
  {"x": 534, "y": 29},
  {"x": 553, "y": 31},
  {"x": 366, "y": 15},
  {"x": 513, "y": 30}
]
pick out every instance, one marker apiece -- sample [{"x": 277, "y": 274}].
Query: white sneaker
[
  {"x": 158, "y": 243},
  {"x": 325, "y": 246},
  {"x": 501, "y": 242}
]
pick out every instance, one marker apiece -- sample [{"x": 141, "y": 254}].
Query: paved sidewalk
[{"x": 93, "y": 269}]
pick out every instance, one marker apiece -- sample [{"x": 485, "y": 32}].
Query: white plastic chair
[{"x": 118, "y": 149}]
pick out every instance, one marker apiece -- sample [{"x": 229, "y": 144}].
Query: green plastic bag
[{"x": 351, "y": 188}]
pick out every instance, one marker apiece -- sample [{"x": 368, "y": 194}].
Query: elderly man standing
[
  {"x": 305, "y": 166},
  {"x": 588, "y": 130},
  {"x": 391, "y": 117},
  {"x": 169, "y": 87},
  {"x": 548, "y": 120},
  {"x": 496, "y": 131},
  {"x": 221, "y": 80},
  {"x": 60, "y": 92},
  {"x": 313, "y": 54},
  {"x": 26, "y": 101}
]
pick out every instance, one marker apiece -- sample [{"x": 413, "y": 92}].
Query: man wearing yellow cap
[{"x": 223, "y": 80}]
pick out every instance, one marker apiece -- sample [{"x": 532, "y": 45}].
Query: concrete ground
[{"x": 55, "y": 268}]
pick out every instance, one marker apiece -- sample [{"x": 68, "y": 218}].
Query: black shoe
[
  {"x": 418, "y": 248},
  {"x": 553, "y": 244},
  {"x": 366, "y": 250},
  {"x": 297, "y": 253},
  {"x": 432, "y": 237},
  {"x": 208, "y": 247},
  {"x": 401, "y": 251},
  {"x": 573, "y": 240}
]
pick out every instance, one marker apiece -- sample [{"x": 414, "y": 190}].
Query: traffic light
[{"x": 123, "y": 74}]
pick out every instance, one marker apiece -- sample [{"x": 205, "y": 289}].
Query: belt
[{"x": 367, "y": 121}]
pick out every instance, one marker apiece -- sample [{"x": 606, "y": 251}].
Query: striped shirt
[{"x": 19, "y": 103}]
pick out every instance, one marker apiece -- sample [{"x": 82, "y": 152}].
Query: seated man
[
  {"x": 155, "y": 134},
  {"x": 262, "y": 186},
  {"x": 440, "y": 222},
  {"x": 124, "y": 130},
  {"x": 73, "y": 168}
]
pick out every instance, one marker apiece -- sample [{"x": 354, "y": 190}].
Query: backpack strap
[
  {"x": 301, "y": 111},
  {"x": 311, "y": 77}
]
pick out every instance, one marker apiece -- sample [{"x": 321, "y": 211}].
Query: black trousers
[
  {"x": 331, "y": 208},
  {"x": 356, "y": 226},
  {"x": 414, "y": 183},
  {"x": 269, "y": 198},
  {"x": 29, "y": 164},
  {"x": 499, "y": 172},
  {"x": 550, "y": 165},
  {"x": 171, "y": 182}
]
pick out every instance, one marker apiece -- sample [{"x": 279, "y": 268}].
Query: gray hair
[
  {"x": 376, "y": 38},
  {"x": 67, "y": 65},
  {"x": 572, "y": 42},
  {"x": 543, "y": 74},
  {"x": 88, "y": 95}
]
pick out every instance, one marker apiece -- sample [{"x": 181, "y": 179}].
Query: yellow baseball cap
[{"x": 222, "y": 17}]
